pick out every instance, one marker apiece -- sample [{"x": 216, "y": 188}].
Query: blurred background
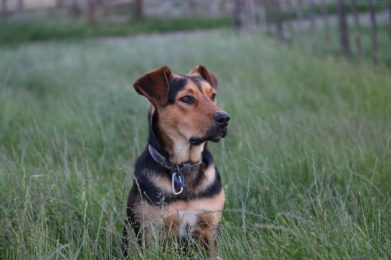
[
  {"x": 349, "y": 27},
  {"x": 307, "y": 160},
  {"x": 352, "y": 28}
]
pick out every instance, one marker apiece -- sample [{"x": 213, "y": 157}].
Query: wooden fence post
[
  {"x": 261, "y": 15},
  {"x": 389, "y": 20},
  {"x": 326, "y": 22},
  {"x": 372, "y": 9},
  {"x": 192, "y": 7},
  {"x": 311, "y": 15},
  {"x": 20, "y": 5},
  {"x": 91, "y": 10},
  {"x": 278, "y": 19},
  {"x": 59, "y": 3},
  {"x": 139, "y": 9},
  {"x": 75, "y": 8},
  {"x": 312, "y": 22},
  {"x": 244, "y": 14},
  {"x": 290, "y": 20},
  {"x": 268, "y": 13},
  {"x": 250, "y": 13},
  {"x": 237, "y": 12},
  {"x": 4, "y": 8},
  {"x": 357, "y": 32},
  {"x": 299, "y": 10},
  {"x": 343, "y": 28}
]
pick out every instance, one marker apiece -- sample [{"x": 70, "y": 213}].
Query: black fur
[
  {"x": 196, "y": 80},
  {"x": 177, "y": 84},
  {"x": 144, "y": 189}
]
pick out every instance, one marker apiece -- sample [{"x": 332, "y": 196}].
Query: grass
[
  {"x": 305, "y": 166},
  {"x": 19, "y": 30}
]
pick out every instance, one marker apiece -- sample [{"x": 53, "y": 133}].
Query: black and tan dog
[{"x": 177, "y": 190}]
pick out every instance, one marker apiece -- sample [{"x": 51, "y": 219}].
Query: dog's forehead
[{"x": 194, "y": 83}]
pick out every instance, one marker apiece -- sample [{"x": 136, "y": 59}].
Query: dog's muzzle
[{"x": 216, "y": 132}]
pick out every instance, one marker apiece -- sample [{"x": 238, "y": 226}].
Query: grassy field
[{"x": 306, "y": 165}]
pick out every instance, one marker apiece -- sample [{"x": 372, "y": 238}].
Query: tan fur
[
  {"x": 210, "y": 176},
  {"x": 202, "y": 216},
  {"x": 179, "y": 122},
  {"x": 162, "y": 183}
]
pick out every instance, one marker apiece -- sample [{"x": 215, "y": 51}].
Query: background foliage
[{"x": 305, "y": 165}]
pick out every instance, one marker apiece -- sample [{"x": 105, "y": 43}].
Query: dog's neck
[
  {"x": 175, "y": 147},
  {"x": 180, "y": 150}
]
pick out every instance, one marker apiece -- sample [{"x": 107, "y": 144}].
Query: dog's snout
[{"x": 221, "y": 119}]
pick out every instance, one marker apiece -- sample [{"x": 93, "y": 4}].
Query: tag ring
[{"x": 174, "y": 175}]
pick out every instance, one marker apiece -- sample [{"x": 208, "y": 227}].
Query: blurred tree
[
  {"x": 238, "y": 21},
  {"x": 244, "y": 13},
  {"x": 20, "y": 5},
  {"x": 250, "y": 14},
  {"x": 278, "y": 20},
  {"x": 75, "y": 8},
  {"x": 299, "y": 9},
  {"x": 312, "y": 18},
  {"x": 372, "y": 9},
  {"x": 59, "y": 3},
  {"x": 91, "y": 10},
  {"x": 389, "y": 20},
  {"x": 289, "y": 22},
  {"x": 357, "y": 33},
  {"x": 192, "y": 7},
  {"x": 326, "y": 23},
  {"x": 139, "y": 9},
  {"x": 343, "y": 28},
  {"x": 3, "y": 7}
]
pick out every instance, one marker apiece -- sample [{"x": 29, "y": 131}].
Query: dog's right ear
[{"x": 154, "y": 85}]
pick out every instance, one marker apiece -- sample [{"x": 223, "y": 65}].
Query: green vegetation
[
  {"x": 306, "y": 165},
  {"x": 39, "y": 29}
]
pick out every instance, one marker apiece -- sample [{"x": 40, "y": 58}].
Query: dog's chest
[
  {"x": 193, "y": 215},
  {"x": 185, "y": 217},
  {"x": 188, "y": 220}
]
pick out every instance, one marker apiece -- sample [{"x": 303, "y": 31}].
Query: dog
[{"x": 177, "y": 190}]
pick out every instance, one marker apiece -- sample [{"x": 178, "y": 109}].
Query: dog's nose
[{"x": 221, "y": 119}]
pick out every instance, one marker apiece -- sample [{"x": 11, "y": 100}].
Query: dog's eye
[
  {"x": 213, "y": 97},
  {"x": 187, "y": 99}
]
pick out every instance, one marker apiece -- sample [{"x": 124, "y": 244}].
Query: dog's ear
[
  {"x": 206, "y": 74},
  {"x": 154, "y": 85}
]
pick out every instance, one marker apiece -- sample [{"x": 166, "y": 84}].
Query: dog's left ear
[
  {"x": 206, "y": 74},
  {"x": 154, "y": 85}
]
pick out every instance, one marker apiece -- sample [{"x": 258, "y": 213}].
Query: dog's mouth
[{"x": 213, "y": 134}]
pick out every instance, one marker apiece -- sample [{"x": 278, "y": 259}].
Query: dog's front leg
[{"x": 206, "y": 235}]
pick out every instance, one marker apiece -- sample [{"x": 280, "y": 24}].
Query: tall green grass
[{"x": 306, "y": 165}]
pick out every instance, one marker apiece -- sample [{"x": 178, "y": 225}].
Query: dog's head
[{"x": 186, "y": 105}]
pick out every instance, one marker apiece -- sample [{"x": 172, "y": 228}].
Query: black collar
[
  {"x": 178, "y": 172},
  {"x": 184, "y": 168}
]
